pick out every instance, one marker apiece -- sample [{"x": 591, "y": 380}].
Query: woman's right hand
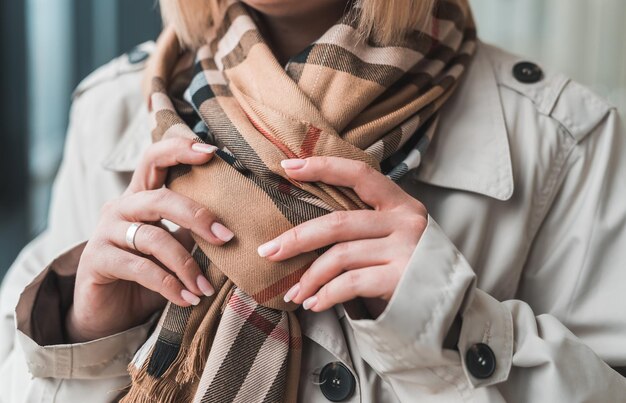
[{"x": 118, "y": 287}]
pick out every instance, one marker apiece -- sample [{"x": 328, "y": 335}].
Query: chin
[{"x": 288, "y": 8}]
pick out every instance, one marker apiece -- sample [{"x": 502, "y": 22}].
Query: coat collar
[
  {"x": 470, "y": 151},
  {"x": 133, "y": 142}
]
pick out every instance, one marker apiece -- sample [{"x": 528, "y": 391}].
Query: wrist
[{"x": 76, "y": 331}]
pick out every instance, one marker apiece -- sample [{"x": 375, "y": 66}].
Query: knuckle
[
  {"x": 202, "y": 214},
  {"x": 140, "y": 267},
  {"x": 305, "y": 279},
  {"x": 153, "y": 236},
  {"x": 178, "y": 146},
  {"x": 187, "y": 264},
  {"x": 176, "y": 142},
  {"x": 321, "y": 163},
  {"x": 96, "y": 245},
  {"x": 294, "y": 238},
  {"x": 362, "y": 169},
  {"x": 416, "y": 223},
  {"x": 308, "y": 278},
  {"x": 179, "y": 142},
  {"x": 108, "y": 207},
  {"x": 169, "y": 283},
  {"x": 324, "y": 294},
  {"x": 353, "y": 279},
  {"x": 162, "y": 195},
  {"x": 338, "y": 219},
  {"x": 341, "y": 252}
]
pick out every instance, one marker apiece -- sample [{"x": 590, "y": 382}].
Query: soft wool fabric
[{"x": 342, "y": 96}]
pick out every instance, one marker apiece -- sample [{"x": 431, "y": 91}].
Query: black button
[
  {"x": 527, "y": 73},
  {"x": 137, "y": 55},
  {"x": 480, "y": 361},
  {"x": 336, "y": 382}
]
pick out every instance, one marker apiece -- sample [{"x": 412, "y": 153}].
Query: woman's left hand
[{"x": 371, "y": 247}]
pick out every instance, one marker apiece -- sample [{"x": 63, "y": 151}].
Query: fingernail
[
  {"x": 309, "y": 302},
  {"x": 292, "y": 163},
  {"x": 205, "y": 286},
  {"x": 291, "y": 294},
  {"x": 203, "y": 148},
  {"x": 268, "y": 249},
  {"x": 189, "y": 297},
  {"x": 221, "y": 232}
]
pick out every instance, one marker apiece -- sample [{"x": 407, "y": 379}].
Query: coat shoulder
[
  {"x": 572, "y": 105},
  {"x": 108, "y": 107},
  {"x": 131, "y": 64}
]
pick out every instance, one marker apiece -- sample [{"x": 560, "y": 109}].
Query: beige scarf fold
[{"x": 341, "y": 96}]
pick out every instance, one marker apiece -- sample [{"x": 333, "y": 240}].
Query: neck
[{"x": 288, "y": 35}]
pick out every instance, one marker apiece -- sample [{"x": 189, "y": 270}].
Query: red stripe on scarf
[
  {"x": 280, "y": 286},
  {"x": 310, "y": 140},
  {"x": 244, "y": 310},
  {"x": 282, "y": 147}
]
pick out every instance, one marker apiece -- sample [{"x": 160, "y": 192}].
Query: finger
[
  {"x": 130, "y": 267},
  {"x": 152, "y": 170},
  {"x": 341, "y": 258},
  {"x": 374, "y": 188},
  {"x": 182, "y": 235},
  {"x": 155, "y": 205},
  {"x": 159, "y": 243},
  {"x": 339, "y": 226},
  {"x": 369, "y": 282}
]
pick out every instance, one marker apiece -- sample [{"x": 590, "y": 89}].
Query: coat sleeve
[
  {"x": 560, "y": 338},
  {"x": 66, "y": 227}
]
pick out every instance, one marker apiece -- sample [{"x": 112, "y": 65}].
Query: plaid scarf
[{"x": 342, "y": 96}]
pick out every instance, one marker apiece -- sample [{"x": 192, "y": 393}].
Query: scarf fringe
[
  {"x": 162, "y": 357},
  {"x": 160, "y": 393},
  {"x": 146, "y": 388},
  {"x": 191, "y": 369}
]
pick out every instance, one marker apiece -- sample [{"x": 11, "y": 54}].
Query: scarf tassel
[
  {"x": 191, "y": 368},
  {"x": 164, "y": 388},
  {"x": 162, "y": 357}
]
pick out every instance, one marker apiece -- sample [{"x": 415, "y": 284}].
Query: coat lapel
[{"x": 470, "y": 150}]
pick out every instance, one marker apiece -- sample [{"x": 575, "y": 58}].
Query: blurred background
[{"x": 48, "y": 46}]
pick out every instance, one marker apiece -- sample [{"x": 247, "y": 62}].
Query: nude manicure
[
  {"x": 203, "y": 148},
  {"x": 309, "y": 303},
  {"x": 204, "y": 286},
  {"x": 268, "y": 249},
  {"x": 293, "y": 163},
  {"x": 221, "y": 232},
  {"x": 291, "y": 294},
  {"x": 189, "y": 297}
]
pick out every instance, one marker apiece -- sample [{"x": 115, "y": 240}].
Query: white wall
[{"x": 585, "y": 39}]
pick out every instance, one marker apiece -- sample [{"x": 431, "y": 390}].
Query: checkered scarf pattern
[{"x": 342, "y": 96}]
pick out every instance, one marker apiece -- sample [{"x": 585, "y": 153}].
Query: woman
[{"x": 491, "y": 270}]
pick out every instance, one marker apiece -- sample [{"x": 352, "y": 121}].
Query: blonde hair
[{"x": 383, "y": 20}]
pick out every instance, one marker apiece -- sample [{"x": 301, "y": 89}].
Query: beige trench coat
[{"x": 526, "y": 187}]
